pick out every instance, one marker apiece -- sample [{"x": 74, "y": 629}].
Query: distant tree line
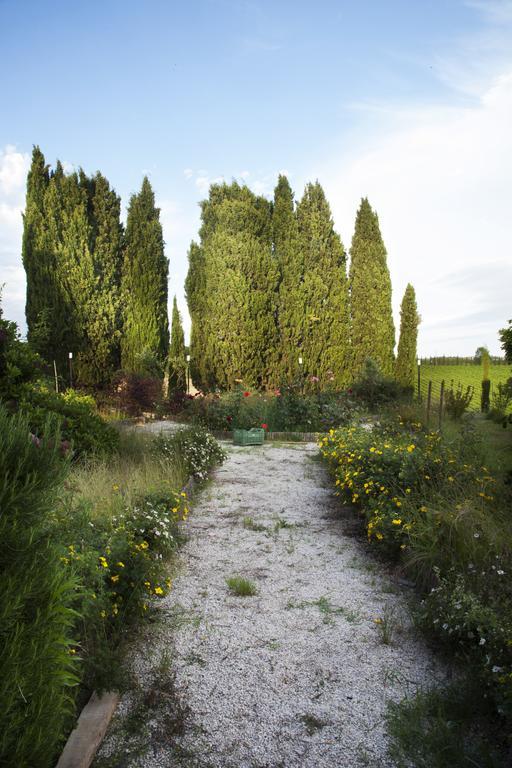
[{"x": 270, "y": 298}]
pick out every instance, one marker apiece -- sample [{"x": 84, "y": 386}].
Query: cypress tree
[
  {"x": 37, "y": 261},
  {"x": 144, "y": 284},
  {"x": 101, "y": 354},
  {"x": 195, "y": 293},
  {"x": 322, "y": 310},
  {"x": 405, "y": 365},
  {"x": 177, "y": 356},
  {"x": 373, "y": 330},
  {"x": 289, "y": 258},
  {"x": 240, "y": 287}
]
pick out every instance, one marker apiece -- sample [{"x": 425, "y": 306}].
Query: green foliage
[
  {"x": 506, "y": 341},
  {"x": 373, "y": 331},
  {"x": 374, "y": 389},
  {"x": 324, "y": 323},
  {"x": 72, "y": 256},
  {"x": 405, "y": 364},
  {"x": 37, "y": 659},
  {"x": 234, "y": 288},
  {"x": 144, "y": 283},
  {"x": 194, "y": 446},
  {"x": 288, "y": 409},
  {"x": 196, "y": 299},
  {"x": 501, "y": 402},
  {"x": 458, "y": 400},
  {"x": 290, "y": 263},
  {"x": 241, "y": 587},
  {"x": 177, "y": 360},
  {"x": 430, "y": 501},
  {"x": 82, "y": 426},
  {"x": 436, "y": 729},
  {"x": 19, "y": 364}
]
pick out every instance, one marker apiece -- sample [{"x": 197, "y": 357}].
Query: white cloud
[
  {"x": 440, "y": 181},
  {"x": 188, "y": 173},
  {"x": 13, "y": 173}
]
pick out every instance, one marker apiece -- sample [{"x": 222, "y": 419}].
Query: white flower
[{"x": 482, "y": 641}]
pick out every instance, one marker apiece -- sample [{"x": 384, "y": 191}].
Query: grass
[
  {"x": 388, "y": 625},
  {"x": 251, "y": 525},
  {"x": 105, "y": 485},
  {"x": 241, "y": 587},
  {"x": 440, "y": 728},
  {"x": 467, "y": 375},
  {"x": 328, "y": 610}
]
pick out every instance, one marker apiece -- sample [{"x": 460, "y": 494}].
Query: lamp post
[
  {"x": 71, "y": 369},
  {"x": 301, "y": 374},
  {"x": 419, "y": 379},
  {"x": 188, "y": 374}
]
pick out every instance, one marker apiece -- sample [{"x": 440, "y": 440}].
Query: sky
[{"x": 408, "y": 102}]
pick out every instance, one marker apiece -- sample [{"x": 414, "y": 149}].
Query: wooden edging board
[{"x": 89, "y": 731}]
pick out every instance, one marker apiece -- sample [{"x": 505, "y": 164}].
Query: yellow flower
[
  {"x": 410, "y": 448},
  {"x": 103, "y": 562},
  {"x": 115, "y": 487},
  {"x": 451, "y": 479},
  {"x": 183, "y": 494},
  {"x": 399, "y": 503},
  {"x": 423, "y": 509},
  {"x": 144, "y": 545},
  {"x": 114, "y": 578},
  {"x": 377, "y": 621},
  {"x": 159, "y": 591},
  {"x": 372, "y": 449},
  {"x": 397, "y": 521},
  {"x": 103, "y": 614},
  {"x": 379, "y": 536},
  {"x": 121, "y": 565}
]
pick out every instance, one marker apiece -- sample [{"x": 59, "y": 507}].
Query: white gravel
[{"x": 296, "y": 676}]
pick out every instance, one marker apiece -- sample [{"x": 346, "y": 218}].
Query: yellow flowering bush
[
  {"x": 431, "y": 502},
  {"x": 389, "y": 470}
]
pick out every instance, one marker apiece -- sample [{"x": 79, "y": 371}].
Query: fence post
[
  {"x": 419, "y": 380},
  {"x": 441, "y": 403},
  {"x": 429, "y": 401}
]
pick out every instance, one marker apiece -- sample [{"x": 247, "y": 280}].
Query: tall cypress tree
[
  {"x": 37, "y": 261},
  {"x": 177, "y": 358},
  {"x": 373, "y": 330},
  {"x": 144, "y": 283},
  {"x": 102, "y": 355},
  {"x": 195, "y": 293},
  {"x": 322, "y": 309},
  {"x": 240, "y": 287},
  {"x": 405, "y": 365},
  {"x": 290, "y": 264}
]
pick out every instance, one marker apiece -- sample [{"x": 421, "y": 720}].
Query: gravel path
[{"x": 296, "y": 676}]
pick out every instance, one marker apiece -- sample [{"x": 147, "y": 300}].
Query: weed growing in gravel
[
  {"x": 325, "y": 606},
  {"x": 241, "y": 587},
  {"x": 312, "y": 723},
  {"x": 388, "y": 624},
  {"x": 251, "y": 525}
]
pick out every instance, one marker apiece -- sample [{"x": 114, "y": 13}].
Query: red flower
[
  {"x": 264, "y": 426},
  {"x": 247, "y": 394},
  {"x": 229, "y": 418},
  {"x": 277, "y": 392},
  {"x": 349, "y": 391}
]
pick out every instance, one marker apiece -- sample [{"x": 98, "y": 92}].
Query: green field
[{"x": 467, "y": 375}]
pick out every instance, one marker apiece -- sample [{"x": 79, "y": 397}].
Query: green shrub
[
  {"x": 120, "y": 560},
  {"x": 458, "y": 400},
  {"x": 374, "y": 389},
  {"x": 501, "y": 402},
  {"x": 194, "y": 446},
  {"x": 81, "y": 426},
  {"x": 37, "y": 657},
  {"x": 431, "y": 501}
]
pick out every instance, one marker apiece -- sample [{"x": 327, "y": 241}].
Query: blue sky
[{"x": 409, "y": 102}]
